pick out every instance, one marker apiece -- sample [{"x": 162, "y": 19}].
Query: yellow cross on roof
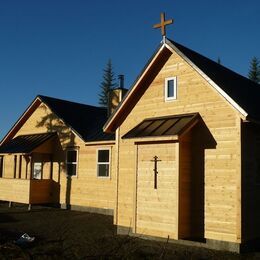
[{"x": 163, "y": 24}]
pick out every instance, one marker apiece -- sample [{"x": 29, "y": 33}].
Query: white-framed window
[
  {"x": 72, "y": 161},
  {"x": 103, "y": 162},
  {"x": 170, "y": 89}
]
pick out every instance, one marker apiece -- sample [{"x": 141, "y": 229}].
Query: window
[
  {"x": 1, "y": 166},
  {"x": 170, "y": 88},
  {"x": 103, "y": 161},
  {"x": 37, "y": 170},
  {"x": 71, "y": 162}
]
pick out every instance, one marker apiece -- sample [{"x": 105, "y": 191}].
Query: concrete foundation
[
  {"x": 209, "y": 243},
  {"x": 109, "y": 212}
]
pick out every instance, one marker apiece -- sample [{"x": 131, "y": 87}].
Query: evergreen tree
[
  {"x": 107, "y": 84},
  {"x": 254, "y": 70},
  {"x": 219, "y": 60}
]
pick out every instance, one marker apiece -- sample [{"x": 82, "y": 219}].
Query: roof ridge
[
  {"x": 43, "y": 133},
  {"x": 215, "y": 63},
  {"x": 240, "y": 92},
  {"x": 43, "y": 98}
]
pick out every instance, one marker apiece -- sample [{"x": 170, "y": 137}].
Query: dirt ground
[{"x": 64, "y": 234}]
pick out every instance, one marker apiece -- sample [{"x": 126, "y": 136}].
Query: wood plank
[{"x": 219, "y": 162}]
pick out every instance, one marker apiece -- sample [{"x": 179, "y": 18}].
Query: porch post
[
  {"x": 15, "y": 165},
  {"x": 26, "y": 169},
  {"x": 31, "y": 167},
  {"x": 51, "y": 167},
  {"x": 27, "y": 161},
  {"x": 1, "y": 166},
  {"x": 20, "y": 167},
  {"x": 59, "y": 170}
]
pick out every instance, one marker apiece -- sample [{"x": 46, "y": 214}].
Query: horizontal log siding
[
  {"x": 86, "y": 189},
  {"x": 222, "y": 174}
]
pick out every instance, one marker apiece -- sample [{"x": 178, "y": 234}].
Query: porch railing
[{"x": 29, "y": 191}]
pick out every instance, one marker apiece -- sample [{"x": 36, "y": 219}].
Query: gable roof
[
  {"x": 242, "y": 90},
  {"x": 85, "y": 121},
  {"x": 25, "y": 143},
  {"x": 242, "y": 93}
]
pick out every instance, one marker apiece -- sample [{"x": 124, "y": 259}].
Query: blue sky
[{"x": 59, "y": 48}]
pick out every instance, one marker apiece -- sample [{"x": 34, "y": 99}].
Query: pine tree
[
  {"x": 107, "y": 84},
  {"x": 254, "y": 70}
]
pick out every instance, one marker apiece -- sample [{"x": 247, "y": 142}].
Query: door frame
[{"x": 137, "y": 144}]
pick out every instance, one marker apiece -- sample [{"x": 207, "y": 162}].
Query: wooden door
[{"x": 157, "y": 208}]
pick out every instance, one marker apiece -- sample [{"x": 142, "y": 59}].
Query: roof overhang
[
  {"x": 28, "y": 112},
  {"x": 135, "y": 92},
  {"x": 162, "y": 129},
  {"x": 242, "y": 112},
  {"x": 94, "y": 143},
  {"x": 24, "y": 117},
  {"x": 26, "y": 144}
]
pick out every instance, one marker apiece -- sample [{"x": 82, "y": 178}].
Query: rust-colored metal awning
[
  {"x": 162, "y": 126},
  {"x": 25, "y": 143}
]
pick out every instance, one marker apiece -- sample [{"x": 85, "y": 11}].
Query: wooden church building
[
  {"x": 179, "y": 158},
  {"x": 188, "y": 142}
]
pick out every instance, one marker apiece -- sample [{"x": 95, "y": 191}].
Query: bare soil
[{"x": 65, "y": 234}]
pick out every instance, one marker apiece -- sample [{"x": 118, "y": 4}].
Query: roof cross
[{"x": 163, "y": 24}]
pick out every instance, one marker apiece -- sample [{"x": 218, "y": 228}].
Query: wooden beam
[
  {"x": 157, "y": 139},
  {"x": 177, "y": 189},
  {"x": 15, "y": 165},
  {"x": 135, "y": 191},
  {"x": 20, "y": 166},
  {"x": 31, "y": 168},
  {"x": 112, "y": 142}
]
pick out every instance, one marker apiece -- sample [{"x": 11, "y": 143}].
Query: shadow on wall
[
  {"x": 201, "y": 140},
  {"x": 66, "y": 140},
  {"x": 251, "y": 184}
]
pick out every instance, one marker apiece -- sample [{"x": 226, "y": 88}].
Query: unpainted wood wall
[
  {"x": 222, "y": 176},
  {"x": 85, "y": 189},
  {"x": 250, "y": 181}
]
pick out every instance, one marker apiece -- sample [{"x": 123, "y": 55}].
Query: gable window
[
  {"x": 170, "y": 88},
  {"x": 72, "y": 162},
  {"x": 103, "y": 162},
  {"x": 1, "y": 166}
]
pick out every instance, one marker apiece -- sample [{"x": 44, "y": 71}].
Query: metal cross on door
[{"x": 155, "y": 160}]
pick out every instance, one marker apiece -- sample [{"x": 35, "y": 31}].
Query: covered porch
[
  {"x": 30, "y": 167},
  {"x": 29, "y": 191}
]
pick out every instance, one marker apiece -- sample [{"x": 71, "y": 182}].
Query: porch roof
[
  {"x": 25, "y": 143},
  {"x": 162, "y": 126}
]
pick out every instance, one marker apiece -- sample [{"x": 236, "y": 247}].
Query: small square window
[
  {"x": 103, "y": 163},
  {"x": 170, "y": 88}
]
